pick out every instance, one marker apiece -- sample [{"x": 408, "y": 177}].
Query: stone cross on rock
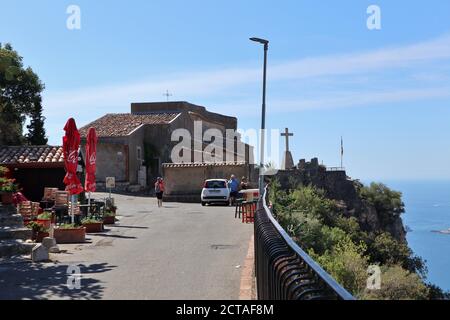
[
  {"x": 288, "y": 161},
  {"x": 287, "y": 134}
]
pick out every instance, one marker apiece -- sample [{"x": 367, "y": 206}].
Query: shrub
[
  {"x": 398, "y": 284},
  {"x": 346, "y": 263}
]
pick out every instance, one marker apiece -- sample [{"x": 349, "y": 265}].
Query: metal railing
[{"x": 283, "y": 270}]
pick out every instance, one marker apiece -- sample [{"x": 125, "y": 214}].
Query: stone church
[{"x": 136, "y": 147}]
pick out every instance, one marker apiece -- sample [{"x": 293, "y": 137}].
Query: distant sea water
[{"x": 427, "y": 205}]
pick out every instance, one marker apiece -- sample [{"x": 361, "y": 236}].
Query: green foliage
[
  {"x": 68, "y": 226},
  {"x": 20, "y": 96},
  {"x": 90, "y": 220},
  {"x": 337, "y": 242},
  {"x": 8, "y": 185},
  {"x": 436, "y": 293},
  {"x": 398, "y": 284},
  {"x": 3, "y": 171},
  {"x": 384, "y": 249},
  {"x": 387, "y": 202},
  {"x": 45, "y": 216},
  {"x": 36, "y": 227},
  {"x": 109, "y": 214},
  {"x": 346, "y": 263}
]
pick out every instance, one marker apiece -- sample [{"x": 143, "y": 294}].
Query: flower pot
[
  {"x": 7, "y": 198},
  {"x": 109, "y": 220},
  {"x": 76, "y": 235},
  {"x": 93, "y": 227},
  {"x": 45, "y": 223}
]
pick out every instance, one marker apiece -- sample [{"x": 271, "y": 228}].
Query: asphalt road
[{"x": 181, "y": 251}]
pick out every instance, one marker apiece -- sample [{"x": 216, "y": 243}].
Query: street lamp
[{"x": 263, "y": 118}]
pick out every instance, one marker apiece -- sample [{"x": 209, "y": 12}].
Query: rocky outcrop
[
  {"x": 13, "y": 234},
  {"x": 344, "y": 190}
]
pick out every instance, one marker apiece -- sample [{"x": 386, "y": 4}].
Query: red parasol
[
  {"x": 71, "y": 144},
  {"x": 91, "y": 157}
]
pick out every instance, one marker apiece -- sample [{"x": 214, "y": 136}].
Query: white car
[{"x": 215, "y": 191}]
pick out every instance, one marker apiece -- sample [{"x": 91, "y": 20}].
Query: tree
[
  {"x": 36, "y": 131},
  {"x": 20, "y": 96},
  {"x": 387, "y": 202}
]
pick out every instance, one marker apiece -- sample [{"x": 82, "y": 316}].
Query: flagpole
[{"x": 342, "y": 153}]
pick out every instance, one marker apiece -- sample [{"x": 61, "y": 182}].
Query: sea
[{"x": 427, "y": 205}]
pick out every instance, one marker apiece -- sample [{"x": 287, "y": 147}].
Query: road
[{"x": 181, "y": 251}]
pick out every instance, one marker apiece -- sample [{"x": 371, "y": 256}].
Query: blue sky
[{"x": 386, "y": 91}]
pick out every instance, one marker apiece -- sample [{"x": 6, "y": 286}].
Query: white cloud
[
  {"x": 210, "y": 83},
  {"x": 228, "y": 88}
]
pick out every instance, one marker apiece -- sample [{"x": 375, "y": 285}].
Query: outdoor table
[{"x": 250, "y": 194}]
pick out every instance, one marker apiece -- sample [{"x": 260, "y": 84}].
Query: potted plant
[
  {"x": 92, "y": 225},
  {"x": 7, "y": 189},
  {"x": 69, "y": 233},
  {"x": 39, "y": 231},
  {"x": 109, "y": 217},
  {"x": 45, "y": 219}
]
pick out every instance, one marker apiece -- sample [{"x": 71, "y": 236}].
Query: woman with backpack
[{"x": 159, "y": 191}]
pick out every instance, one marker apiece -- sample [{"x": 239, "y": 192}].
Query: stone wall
[
  {"x": 112, "y": 159},
  {"x": 184, "y": 183}
]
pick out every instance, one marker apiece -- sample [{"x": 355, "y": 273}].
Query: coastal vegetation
[{"x": 346, "y": 249}]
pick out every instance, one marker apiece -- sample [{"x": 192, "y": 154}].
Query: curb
[{"x": 247, "y": 289}]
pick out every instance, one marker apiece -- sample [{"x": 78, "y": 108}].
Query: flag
[{"x": 342, "y": 147}]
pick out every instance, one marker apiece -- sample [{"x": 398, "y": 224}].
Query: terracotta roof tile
[
  {"x": 31, "y": 154},
  {"x": 123, "y": 124}
]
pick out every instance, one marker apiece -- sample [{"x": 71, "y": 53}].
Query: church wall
[
  {"x": 112, "y": 159},
  {"x": 185, "y": 183},
  {"x": 135, "y": 140}
]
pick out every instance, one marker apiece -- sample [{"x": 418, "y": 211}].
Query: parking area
[{"x": 180, "y": 251}]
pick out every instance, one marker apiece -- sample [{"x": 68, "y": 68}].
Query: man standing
[{"x": 233, "y": 185}]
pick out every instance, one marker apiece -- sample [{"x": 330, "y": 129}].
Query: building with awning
[{"x": 34, "y": 168}]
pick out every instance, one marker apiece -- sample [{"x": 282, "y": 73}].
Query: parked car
[{"x": 215, "y": 191}]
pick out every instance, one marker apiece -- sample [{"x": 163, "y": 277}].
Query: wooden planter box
[
  {"x": 94, "y": 227},
  {"x": 45, "y": 223},
  {"x": 7, "y": 198},
  {"x": 77, "y": 235},
  {"x": 109, "y": 220}
]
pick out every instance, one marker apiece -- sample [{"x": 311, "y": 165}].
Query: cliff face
[{"x": 339, "y": 187}]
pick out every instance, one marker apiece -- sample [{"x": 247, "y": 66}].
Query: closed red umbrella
[
  {"x": 71, "y": 144},
  {"x": 91, "y": 163},
  {"x": 91, "y": 157}
]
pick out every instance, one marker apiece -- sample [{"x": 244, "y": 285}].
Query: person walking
[
  {"x": 233, "y": 185},
  {"x": 159, "y": 191}
]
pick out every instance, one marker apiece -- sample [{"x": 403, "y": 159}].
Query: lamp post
[{"x": 263, "y": 118}]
